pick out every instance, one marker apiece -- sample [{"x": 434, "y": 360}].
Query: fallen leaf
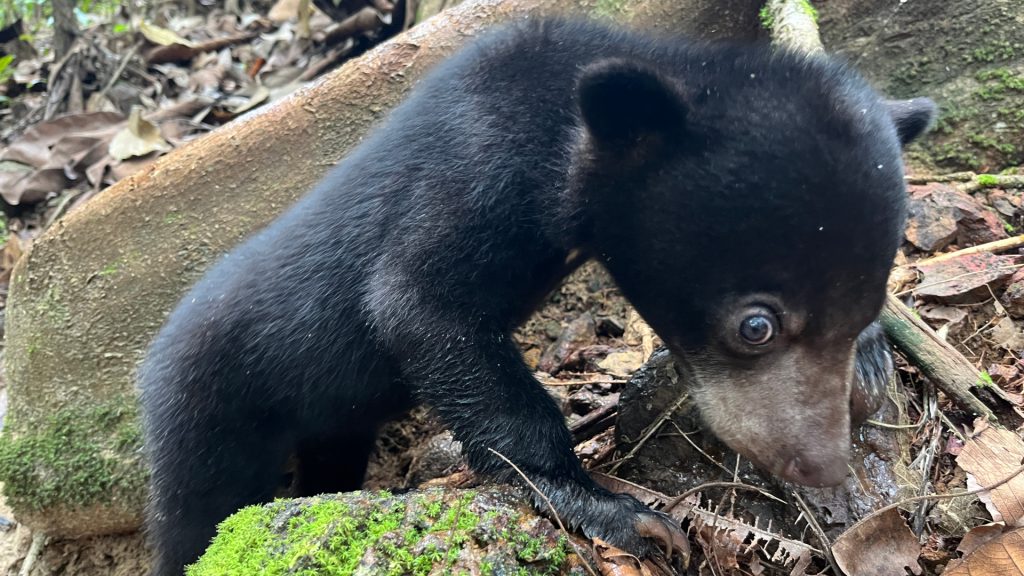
[
  {"x": 880, "y": 545},
  {"x": 1002, "y": 556},
  {"x": 980, "y": 535},
  {"x": 259, "y": 96},
  {"x": 162, "y": 36},
  {"x": 964, "y": 278},
  {"x": 138, "y": 138},
  {"x": 1006, "y": 334},
  {"x": 622, "y": 364},
  {"x": 989, "y": 456}
]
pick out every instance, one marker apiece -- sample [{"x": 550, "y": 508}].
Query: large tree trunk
[{"x": 65, "y": 28}]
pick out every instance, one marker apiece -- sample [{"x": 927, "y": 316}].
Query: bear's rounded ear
[
  {"x": 912, "y": 117},
  {"x": 622, "y": 102}
]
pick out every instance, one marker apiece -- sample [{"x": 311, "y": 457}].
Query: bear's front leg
[
  {"x": 873, "y": 368},
  {"x": 471, "y": 372}
]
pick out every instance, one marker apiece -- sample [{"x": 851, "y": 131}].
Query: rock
[
  {"x": 491, "y": 530},
  {"x": 929, "y": 229},
  {"x": 437, "y": 457},
  {"x": 579, "y": 333},
  {"x": 939, "y": 214}
]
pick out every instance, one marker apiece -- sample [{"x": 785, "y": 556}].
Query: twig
[
  {"x": 942, "y": 178},
  {"x": 996, "y": 246},
  {"x": 665, "y": 415},
  {"x": 38, "y": 541},
  {"x": 940, "y": 362},
  {"x": 993, "y": 181},
  {"x": 826, "y": 545},
  {"x": 568, "y": 537},
  {"x": 971, "y": 182},
  {"x": 678, "y": 499},
  {"x": 949, "y": 496},
  {"x": 118, "y": 71},
  {"x": 362, "y": 22}
]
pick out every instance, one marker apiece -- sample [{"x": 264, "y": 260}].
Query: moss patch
[
  {"x": 78, "y": 458},
  {"x": 610, "y": 9},
  {"x": 433, "y": 532}
]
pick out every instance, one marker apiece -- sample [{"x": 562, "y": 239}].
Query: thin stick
[
  {"x": 117, "y": 72},
  {"x": 937, "y": 359},
  {"x": 678, "y": 499},
  {"x": 38, "y": 541},
  {"x": 654, "y": 427},
  {"x": 826, "y": 545},
  {"x": 551, "y": 507},
  {"x": 996, "y": 246},
  {"x": 950, "y": 496}
]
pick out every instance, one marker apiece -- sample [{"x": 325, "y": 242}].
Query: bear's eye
[{"x": 758, "y": 328}]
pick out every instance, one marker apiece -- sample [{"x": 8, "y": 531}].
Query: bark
[{"x": 65, "y": 27}]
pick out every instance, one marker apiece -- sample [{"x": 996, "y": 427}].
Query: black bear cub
[{"x": 748, "y": 203}]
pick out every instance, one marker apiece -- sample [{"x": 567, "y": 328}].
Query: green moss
[
  {"x": 984, "y": 379},
  {"x": 987, "y": 180},
  {"x": 766, "y": 17},
  {"x": 808, "y": 9},
  {"x": 330, "y": 536},
  {"x": 997, "y": 83},
  {"x": 77, "y": 458},
  {"x": 993, "y": 51},
  {"x": 109, "y": 269},
  {"x": 610, "y": 9}
]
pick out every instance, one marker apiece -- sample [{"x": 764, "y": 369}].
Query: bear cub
[{"x": 748, "y": 202}]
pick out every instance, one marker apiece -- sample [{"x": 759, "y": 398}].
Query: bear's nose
[{"x": 816, "y": 474}]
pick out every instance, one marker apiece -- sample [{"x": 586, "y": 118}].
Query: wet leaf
[
  {"x": 989, "y": 456},
  {"x": 138, "y": 138},
  {"x": 881, "y": 545}
]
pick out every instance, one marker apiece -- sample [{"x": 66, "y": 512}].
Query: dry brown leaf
[
  {"x": 259, "y": 96},
  {"x": 162, "y": 36},
  {"x": 880, "y": 545},
  {"x": 622, "y": 364},
  {"x": 138, "y": 138},
  {"x": 980, "y": 535},
  {"x": 990, "y": 455},
  {"x": 615, "y": 562},
  {"x": 33, "y": 147},
  {"x": 12, "y": 251},
  {"x": 1002, "y": 556}
]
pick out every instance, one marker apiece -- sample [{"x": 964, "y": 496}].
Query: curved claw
[{"x": 663, "y": 528}]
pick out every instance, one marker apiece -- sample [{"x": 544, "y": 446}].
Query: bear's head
[{"x": 749, "y": 203}]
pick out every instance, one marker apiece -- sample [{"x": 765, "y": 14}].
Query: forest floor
[{"x": 584, "y": 344}]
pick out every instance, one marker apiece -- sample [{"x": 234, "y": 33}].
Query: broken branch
[{"x": 938, "y": 361}]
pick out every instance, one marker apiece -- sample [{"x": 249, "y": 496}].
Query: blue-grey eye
[{"x": 758, "y": 329}]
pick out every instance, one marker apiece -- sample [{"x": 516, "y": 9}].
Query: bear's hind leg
[{"x": 199, "y": 478}]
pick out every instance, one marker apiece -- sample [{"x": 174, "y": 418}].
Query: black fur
[{"x": 699, "y": 173}]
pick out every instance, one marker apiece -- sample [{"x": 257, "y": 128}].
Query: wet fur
[{"x": 698, "y": 172}]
